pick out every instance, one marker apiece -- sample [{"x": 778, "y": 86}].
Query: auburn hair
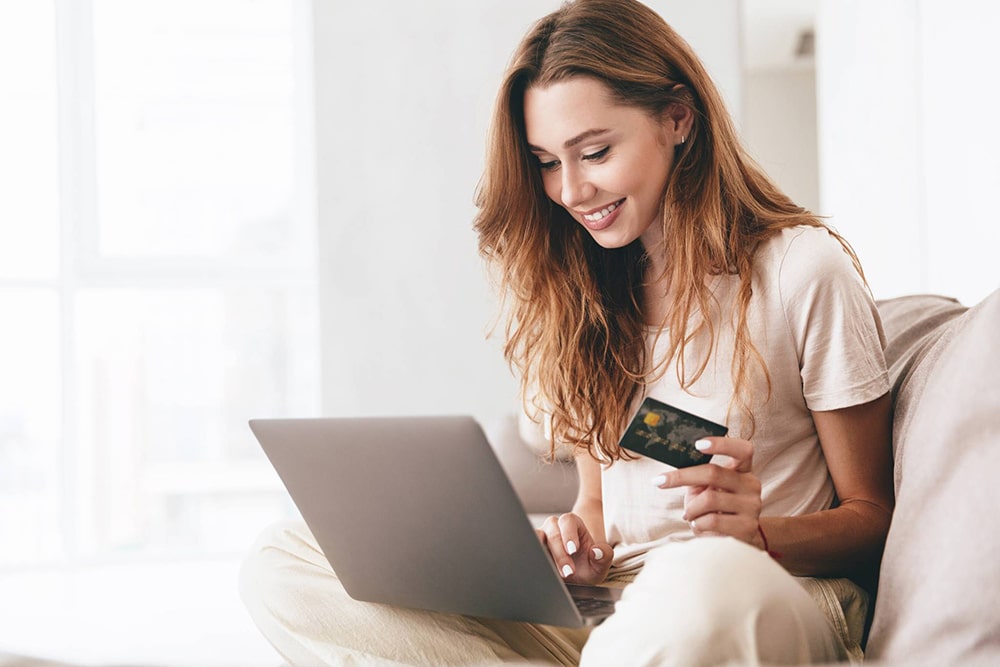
[{"x": 575, "y": 330}]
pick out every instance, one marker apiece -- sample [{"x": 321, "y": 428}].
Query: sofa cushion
[
  {"x": 936, "y": 599},
  {"x": 917, "y": 328},
  {"x": 543, "y": 487}
]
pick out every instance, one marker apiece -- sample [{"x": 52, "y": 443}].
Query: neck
[{"x": 656, "y": 284}]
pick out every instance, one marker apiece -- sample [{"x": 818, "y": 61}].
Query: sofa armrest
[{"x": 936, "y": 600}]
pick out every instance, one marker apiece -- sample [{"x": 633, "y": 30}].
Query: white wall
[
  {"x": 779, "y": 95},
  {"x": 909, "y": 142},
  {"x": 779, "y": 129},
  {"x": 714, "y": 31},
  {"x": 403, "y": 97}
]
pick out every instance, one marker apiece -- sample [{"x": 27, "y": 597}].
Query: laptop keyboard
[{"x": 594, "y": 606}]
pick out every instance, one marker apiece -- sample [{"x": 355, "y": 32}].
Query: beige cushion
[
  {"x": 543, "y": 487},
  {"x": 937, "y": 596},
  {"x": 917, "y": 328}
]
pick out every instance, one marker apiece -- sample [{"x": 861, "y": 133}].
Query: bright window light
[{"x": 157, "y": 272}]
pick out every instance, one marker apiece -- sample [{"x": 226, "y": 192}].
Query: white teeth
[{"x": 599, "y": 215}]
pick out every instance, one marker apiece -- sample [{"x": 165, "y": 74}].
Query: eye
[
  {"x": 548, "y": 166},
  {"x": 598, "y": 155}
]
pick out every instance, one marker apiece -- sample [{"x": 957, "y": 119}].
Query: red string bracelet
[{"x": 773, "y": 554}]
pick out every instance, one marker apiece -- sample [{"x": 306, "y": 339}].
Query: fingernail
[
  {"x": 691, "y": 523},
  {"x": 659, "y": 480},
  {"x": 598, "y": 554},
  {"x": 567, "y": 570},
  {"x": 571, "y": 547},
  {"x": 702, "y": 445}
]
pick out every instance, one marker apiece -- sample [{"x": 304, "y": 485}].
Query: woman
[
  {"x": 646, "y": 255},
  {"x": 642, "y": 253}
]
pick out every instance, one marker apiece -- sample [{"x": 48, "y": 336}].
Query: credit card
[{"x": 668, "y": 434}]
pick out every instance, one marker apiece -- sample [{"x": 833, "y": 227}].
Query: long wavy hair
[{"x": 575, "y": 331}]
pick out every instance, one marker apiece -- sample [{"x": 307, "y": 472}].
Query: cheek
[
  {"x": 550, "y": 183},
  {"x": 654, "y": 185},
  {"x": 666, "y": 164}
]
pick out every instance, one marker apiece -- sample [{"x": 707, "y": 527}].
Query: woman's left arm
[
  {"x": 857, "y": 443},
  {"x": 843, "y": 541}
]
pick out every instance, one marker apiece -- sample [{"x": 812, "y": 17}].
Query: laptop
[{"x": 418, "y": 512}]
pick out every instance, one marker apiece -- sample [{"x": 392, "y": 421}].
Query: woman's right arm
[
  {"x": 589, "y": 504},
  {"x": 576, "y": 540}
]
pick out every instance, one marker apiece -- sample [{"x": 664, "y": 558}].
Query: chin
[{"x": 610, "y": 241}]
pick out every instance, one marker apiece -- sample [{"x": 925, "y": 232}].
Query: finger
[
  {"x": 705, "y": 475},
  {"x": 557, "y": 548},
  {"x": 600, "y": 554},
  {"x": 734, "y": 525},
  {"x": 574, "y": 534},
  {"x": 690, "y": 493},
  {"x": 739, "y": 452},
  {"x": 713, "y": 501}
]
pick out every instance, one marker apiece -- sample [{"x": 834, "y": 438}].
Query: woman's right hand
[{"x": 578, "y": 557}]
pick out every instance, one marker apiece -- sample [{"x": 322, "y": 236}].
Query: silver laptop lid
[{"x": 417, "y": 512}]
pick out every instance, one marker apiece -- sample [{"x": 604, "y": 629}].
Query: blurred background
[{"x": 216, "y": 210}]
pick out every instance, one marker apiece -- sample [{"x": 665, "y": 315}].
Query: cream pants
[{"x": 710, "y": 601}]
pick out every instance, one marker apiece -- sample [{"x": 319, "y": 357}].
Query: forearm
[
  {"x": 847, "y": 540},
  {"x": 838, "y": 542},
  {"x": 589, "y": 504},
  {"x": 591, "y": 510}
]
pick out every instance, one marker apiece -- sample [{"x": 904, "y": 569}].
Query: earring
[{"x": 683, "y": 139}]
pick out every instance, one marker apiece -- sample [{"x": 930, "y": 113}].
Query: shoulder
[
  {"x": 800, "y": 260},
  {"x": 803, "y": 247}
]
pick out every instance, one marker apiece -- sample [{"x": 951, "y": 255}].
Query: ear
[{"x": 677, "y": 120}]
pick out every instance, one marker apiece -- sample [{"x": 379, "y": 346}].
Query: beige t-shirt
[{"x": 814, "y": 322}]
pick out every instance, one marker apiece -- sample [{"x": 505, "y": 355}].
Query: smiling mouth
[{"x": 597, "y": 216}]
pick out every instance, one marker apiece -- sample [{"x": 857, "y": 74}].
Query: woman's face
[{"x": 605, "y": 163}]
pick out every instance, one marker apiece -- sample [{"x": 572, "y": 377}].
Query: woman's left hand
[{"x": 723, "y": 497}]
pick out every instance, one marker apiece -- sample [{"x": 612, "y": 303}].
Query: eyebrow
[{"x": 583, "y": 136}]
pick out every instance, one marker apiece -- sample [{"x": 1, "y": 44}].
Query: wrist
[{"x": 764, "y": 544}]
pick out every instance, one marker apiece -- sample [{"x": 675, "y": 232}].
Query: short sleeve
[{"x": 833, "y": 321}]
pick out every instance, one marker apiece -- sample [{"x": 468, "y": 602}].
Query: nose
[{"x": 576, "y": 189}]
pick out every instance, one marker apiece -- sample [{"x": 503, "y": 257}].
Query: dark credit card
[{"x": 668, "y": 434}]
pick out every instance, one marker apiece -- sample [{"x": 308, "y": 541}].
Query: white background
[{"x": 899, "y": 147}]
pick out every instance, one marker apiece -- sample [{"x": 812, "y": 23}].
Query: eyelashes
[
  {"x": 588, "y": 157},
  {"x": 595, "y": 157}
]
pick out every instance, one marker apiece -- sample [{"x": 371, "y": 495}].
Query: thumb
[{"x": 600, "y": 552}]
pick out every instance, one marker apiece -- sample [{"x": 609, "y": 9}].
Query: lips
[{"x": 602, "y": 218}]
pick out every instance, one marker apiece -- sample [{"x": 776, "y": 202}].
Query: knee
[
  {"x": 713, "y": 568},
  {"x": 707, "y": 601},
  {"x": 725, "y": 576},
  {"x": 710, "y": 583},
  {"x": 280, "y": 547}
]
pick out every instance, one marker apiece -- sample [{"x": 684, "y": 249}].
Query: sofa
[{"x": 938, "y": 596}]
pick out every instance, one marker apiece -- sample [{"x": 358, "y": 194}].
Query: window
[{"x": 157, "y": 271}]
